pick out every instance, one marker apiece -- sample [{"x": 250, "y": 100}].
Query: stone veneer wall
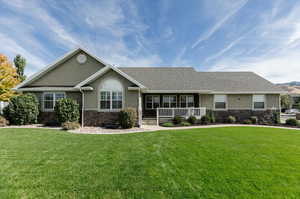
[
  {"x": 48, "y": 118},
  {"x": 95, "y": 118},
  {"x": 263, "y": 116},
  {"x": 91, "y": 118}
]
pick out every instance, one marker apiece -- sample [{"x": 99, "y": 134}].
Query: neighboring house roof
[{"x": 186, "y": 78}]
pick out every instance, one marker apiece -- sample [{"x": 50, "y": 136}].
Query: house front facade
[{"x": 102, "y": 90}]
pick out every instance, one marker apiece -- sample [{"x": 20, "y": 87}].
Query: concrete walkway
[{"x": 151, "y": 128}]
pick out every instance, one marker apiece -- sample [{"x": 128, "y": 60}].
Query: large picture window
[
  {"x": 50, "y": 99},
  {"x": 169, "y": 101},
  {"x": 187, "y": 101},
  {"x": 111, "y": 95},
  {"x": 220, "y": 101},
  {"x": 258, "y": 101},
  {"x": 152, "y": 101}
]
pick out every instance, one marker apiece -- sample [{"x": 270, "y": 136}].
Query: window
[
  {"x": 50, "y": 100},
  {"x": 258, "y": 101},
  {"x": 111, "y": 100},
  {"x": 169, "y": 101},
  {"x": 111, "y": 95},
  {"x": 220, "y": 101},
  {"x": 152, "y": 101},
  {"x": 187, "y": 101}
]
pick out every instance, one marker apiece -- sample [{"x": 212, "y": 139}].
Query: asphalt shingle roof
[{"x": 187, "y": 78}]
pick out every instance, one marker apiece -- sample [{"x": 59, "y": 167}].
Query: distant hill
[{"x": 293, "y": 83}]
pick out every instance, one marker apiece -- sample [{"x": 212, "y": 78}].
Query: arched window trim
[{"x": 101, "y": 89}]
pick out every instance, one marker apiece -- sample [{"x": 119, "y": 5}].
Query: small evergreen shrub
[
  {"x": 192, "y": 120},
  {"x": 205, "y": 119},
  {"x": 247, "y": 121},
  {"x": 67, "y": 110},
  {"x": 177, "y": 119},
  {"x": 212, "y": 117},
  {"x": 253, "y": 119},
  {"x": 3, "y": 122},
  {"x": 70, "y": 125},
  {"x": 127, "y": 118},
  {"x": 22, "y": 109},
  {"x": 292, "y": 122},
  {"x": 168, "y": 124},
  {"x": 231, "y": 119},
  {"x": 185, "y": 124}
]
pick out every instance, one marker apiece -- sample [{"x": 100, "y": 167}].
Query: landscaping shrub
[
  {"x": 70, "y": 125},
  {"x": 185, "y": 124},
  {"x": 3, "y": 121},
  {"x": 292, "y": 122},
  {"x": 247, "y": 121},
  {"x": 67, "y": 110},
  {"x": 127, "y": 118},
  {"x": 231, "y": 119},
  {"x": 168, "y": 124},
  {"x": 205, "y": 119},
  {"x": 212, "y": 117},
  {"x": 177, "y": 119},
  {"x": 276, "y": 118},
  {"x": 192, "y": 120},
  {"x": 22, "y": 109},
  {"x": 253, "y": 119}
]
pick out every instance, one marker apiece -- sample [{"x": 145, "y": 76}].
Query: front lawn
[{"x": 229, "y": 162}]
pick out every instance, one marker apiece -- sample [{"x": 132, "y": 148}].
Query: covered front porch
[{"x": 157, "y": 106}]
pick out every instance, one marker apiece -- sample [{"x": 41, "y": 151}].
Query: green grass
[{"x": 230, "y": 162}]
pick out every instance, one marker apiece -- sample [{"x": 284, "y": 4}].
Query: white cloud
[
  {"x": 277, "y": 69},
  {"x": 232, "y": 11}
]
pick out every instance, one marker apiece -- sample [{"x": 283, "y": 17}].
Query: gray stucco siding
[
  {"x": 207, "y": 100},
  {"x": 243, "y": 101},
  {"x": 69, "y": 73},
  {"x": 273, "y": 101},
  {"x": 240, "y": 101}
]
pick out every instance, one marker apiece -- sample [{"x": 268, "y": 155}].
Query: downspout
[{"x": 82, "y": 107}]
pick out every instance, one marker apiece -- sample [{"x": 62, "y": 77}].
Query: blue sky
[{"x": 211, "y": 35}]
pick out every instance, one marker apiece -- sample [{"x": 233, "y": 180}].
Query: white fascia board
[
  {"x": 47, "y": 89},
  {"x": 130, "y": 88},
  {"x": 54, "y": 89},
  {"x": 47, "y": 68}
]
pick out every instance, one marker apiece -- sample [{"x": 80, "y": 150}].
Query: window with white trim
[
  {"x": 152, "y": 101},
  {"x": 258, "y": 101},
  {"x": 187, "y": 101},
  {"x": 111, "y": 95},
  {"x": 220, "y": 101},
  {"x": 169, "y": 101},
  {"x": 50, "y": 99}
]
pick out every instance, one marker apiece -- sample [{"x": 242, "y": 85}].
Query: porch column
[{"x": 140, "y": 113}]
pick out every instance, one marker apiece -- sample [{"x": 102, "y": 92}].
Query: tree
[
  {"x": 20, "y": 63},
  {"x": 286, "y": 101},
  {"x": 8, "y": 79}
]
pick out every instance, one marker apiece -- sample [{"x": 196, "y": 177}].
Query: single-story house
[{"x": 102, "y": 90}]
